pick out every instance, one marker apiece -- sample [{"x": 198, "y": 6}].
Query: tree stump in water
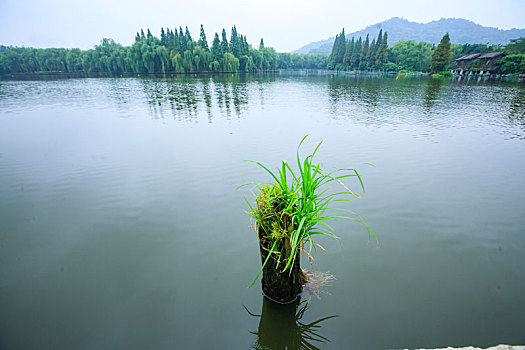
[{"x": 279, "y": 286}]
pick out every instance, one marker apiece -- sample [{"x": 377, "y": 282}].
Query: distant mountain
[{"x": 461, "y": 31}]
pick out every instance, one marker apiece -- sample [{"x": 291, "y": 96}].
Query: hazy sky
[{"x": 284, "y": 24}]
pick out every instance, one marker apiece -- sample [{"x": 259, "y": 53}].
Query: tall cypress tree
[
  {"x": 348, "y": 53},
  {"x": 234, "y": 42},
  {"x": 182, "y": 41},
  {"x": 341, "y": 47},
  {"x": 379, "y": 39},
  {"x": 371, "y": 55},
  {"x": 202, "y": 39},
  {"x": 441, "y": 55},
  {"x": 243, "y": 45},
  {"x": 338, "y": 49},
  {"x": 333, "y": 52},
  {"x": 354, "y": 60},
  {"x": 171, "y": 39},
  {"x": 216, "y": 48},
  {"x": 188, "y": 39},
  {"x": 261, "y": 44},
  {"x": 176, "y": 42},
  {"x": 168, "y": 37},
  {"x": 162, "y": 36},
  {"x": 382, "y": 58},
  {"x": 376, "y": 61},
  {"x": 224, "y": 43},
  {"x": 381, "y": 49},
  {"x": 364, "y": 53}
]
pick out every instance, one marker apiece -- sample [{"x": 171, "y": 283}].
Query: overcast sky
[{"x": 284, "y": 24}]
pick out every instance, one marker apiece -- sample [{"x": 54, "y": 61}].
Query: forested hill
[{"x": 461, "y": 32}]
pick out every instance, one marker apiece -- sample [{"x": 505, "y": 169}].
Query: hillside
[{"x": 461, "y": 32}]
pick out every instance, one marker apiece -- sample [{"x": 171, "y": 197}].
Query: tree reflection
[
  {"x": 280, "y": 327},
  {"x": 517, "y": 109},
  {"x": 180, "y": 97},
  {"x": 366, "y": 91},
  {"x": 432, "y": 93},
  {"x": 517, "y": 105},
  {"x": 184, "y": 96},
  {"x": 207, "y": 99}
]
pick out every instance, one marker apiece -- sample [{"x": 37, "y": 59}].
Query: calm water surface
[{"x": 120, "y": 225}]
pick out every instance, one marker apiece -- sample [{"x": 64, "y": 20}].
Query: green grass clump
[
  {"x": 294, "y": 209},
  {"x": 441, "y": 75}
]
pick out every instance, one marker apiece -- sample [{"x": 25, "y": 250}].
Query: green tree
[
  {"x": 382, "y": 51},
  {"x": 377, "y": 51},
  {"x": 371, "y": 54},
  {"x": 348, "y": 53},
  {"x": 182, "y": 44},
  {"x": 364, "y": 52},
  {"x": 175, "y": 51},
  {"x": 230, "y": 63},
  {"x": 412, "y": 56},
  {"x": 189, "y": 41},
  {"x": 338, "y": 50},
  {"x": 455, "y": 51},
  {"x": 202, "y": 58},
  {"x": 511, "y": 64},
  {"x": 515, "y": 47},
  {"x": 224, "y": 43},
  {"x": 74, "y": 60},
  {"x": 234, "y": 42},
  {"x": 245, "y": 47},
  {"x": 354, "y": 60},
  {"x": 441, "y": 55},
  {"x": 467, "y": 49},
  {"x": 202, "y": 39},
  {"x": 162, "y": 37},
  {"x": 216, "y": 48}
]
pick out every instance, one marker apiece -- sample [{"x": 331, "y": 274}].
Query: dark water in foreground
[{"x": 120, "y": 225}]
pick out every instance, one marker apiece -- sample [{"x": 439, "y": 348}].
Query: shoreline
[{"x": 496, "y": 347}]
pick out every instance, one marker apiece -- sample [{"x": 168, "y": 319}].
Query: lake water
[{"x": 121, "y": 226}]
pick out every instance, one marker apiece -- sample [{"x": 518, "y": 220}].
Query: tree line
[
  {"x": 358, "y": 54},
  {"x": 174, "y": 52},
  {"x": 409, "y": 55}
]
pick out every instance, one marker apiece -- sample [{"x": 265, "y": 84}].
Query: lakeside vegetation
[
  {"x": 408, "y": 55},
  {"x": 462, "y": 31},
  {"x": 358, "y": 55},
  {"x": 175, "y": 51}
]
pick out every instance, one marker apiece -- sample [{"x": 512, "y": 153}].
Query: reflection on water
[
  {"x": 366, "y": 89},
  {"x": 517, "y": 110},
  {"x": 181, "y": 98},
  {"x": 432, "y": 93},
  {"x": 376, "y": 101},
  {"x": 184, "y": 95},
  {"x": 103, "y": 203},
  {"x": 281, "y": 327},
  {"x": 345, "y": 91}
]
